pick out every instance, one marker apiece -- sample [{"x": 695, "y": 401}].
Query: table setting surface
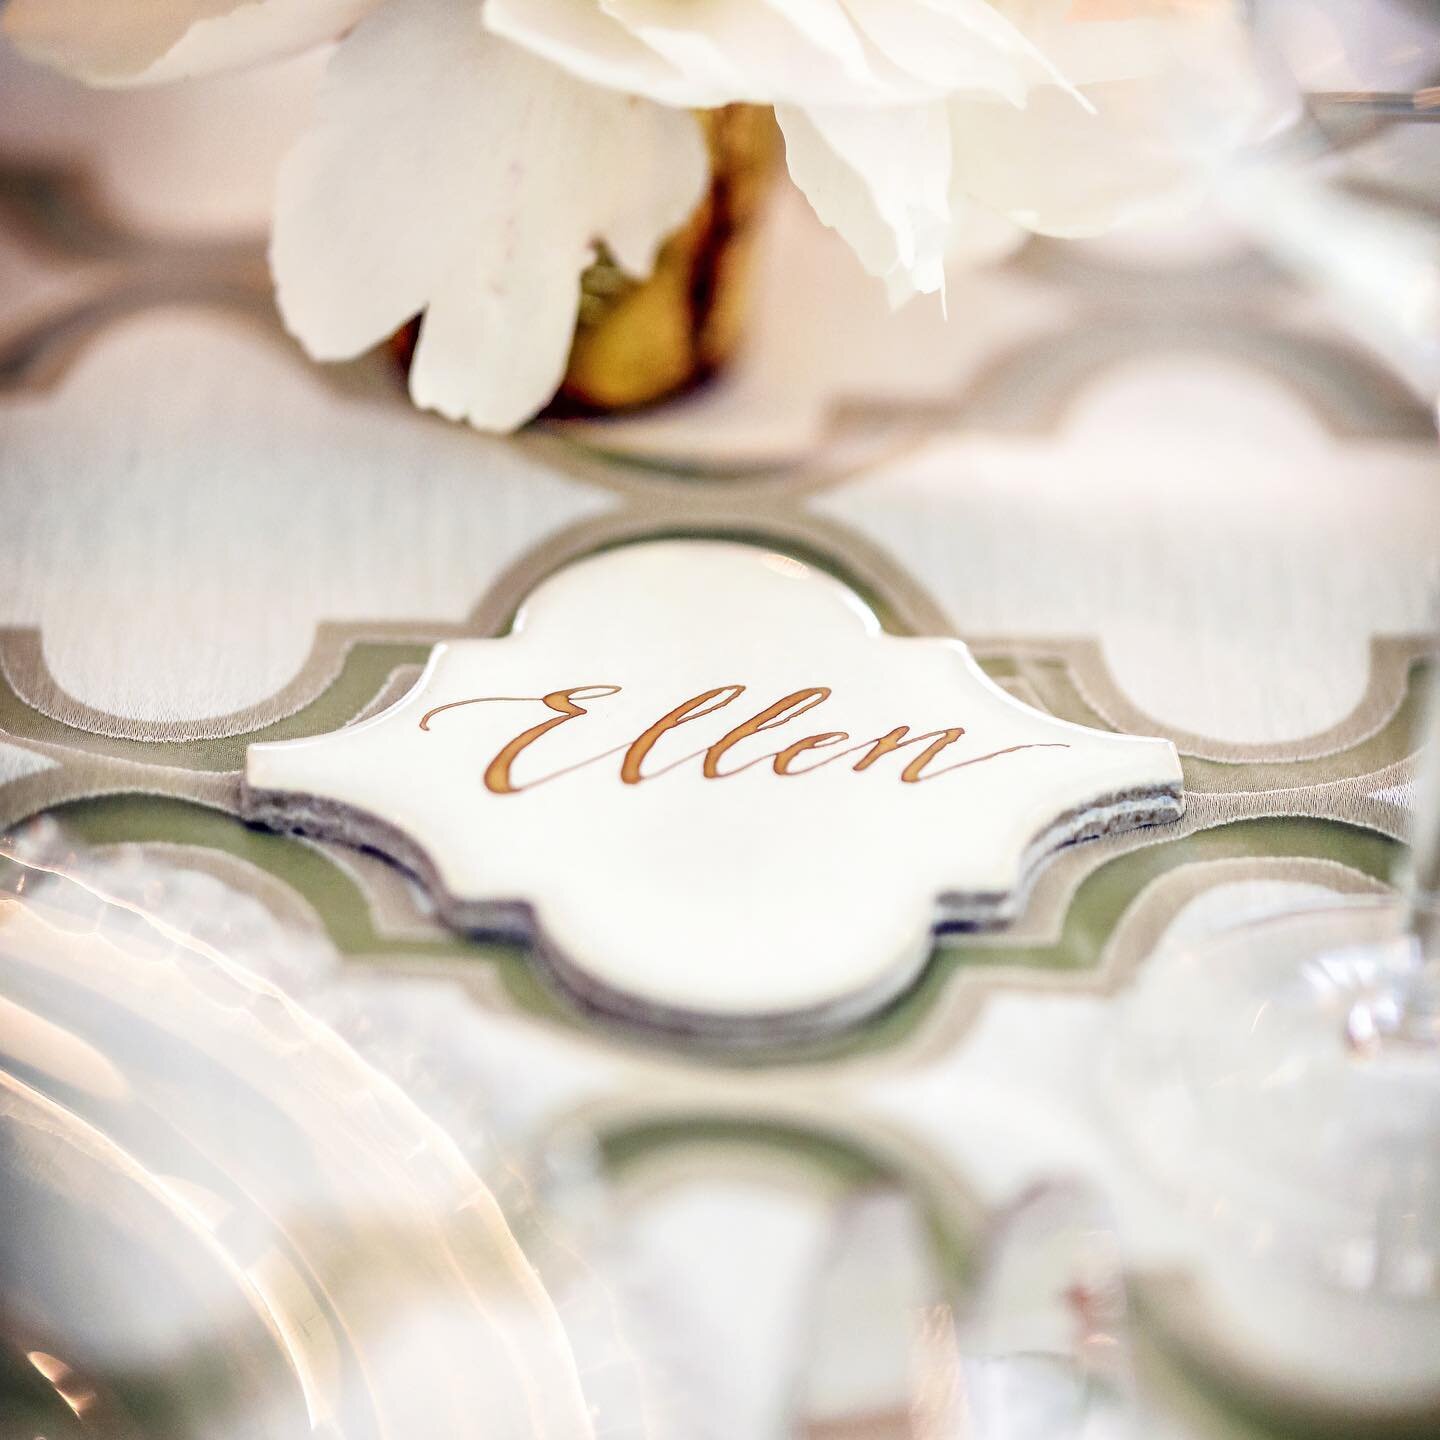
[{"x": 1154, "y": 488}]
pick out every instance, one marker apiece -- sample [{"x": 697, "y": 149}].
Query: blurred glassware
[
  {"x": 1033, "y": 1345},
  {"x": 221, "y": 1221},
  {"x": 1304, "y": 1168},
  {"x": 1287, "y": 1072},
  {"x": 1238, "y": 1078},
  {"x": 1281, "y": 1083},
  {"x": 1340, "y": 182},
  {"x": 1337, "y": 48}
]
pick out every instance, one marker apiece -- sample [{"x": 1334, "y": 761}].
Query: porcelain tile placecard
[{"x": 710, "y": 788}]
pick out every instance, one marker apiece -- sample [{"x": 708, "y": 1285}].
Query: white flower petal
[
  {"x": 880, "y": 177},
  {"x": 578, "y": 35},
  {"x": 495, "y": 357},
  {"x": 119, "y": 43},
  {"x": 764, "y": 51},
  {"x": 953, "y": 44},
  {"x": 453, "y": 172},
  {"x": 1059, "y": 171},
  {"x": 1091, "y": 52},
  {"x": 1147, "y": 147},
  {"x": 825, "y": 23},
  {"x": 979, "y": 236}
]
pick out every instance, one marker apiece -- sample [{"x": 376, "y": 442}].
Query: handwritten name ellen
[{"x": 797, "y": 758}]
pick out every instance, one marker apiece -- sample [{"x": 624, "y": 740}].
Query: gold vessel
[{"x": 639, "y": 341}]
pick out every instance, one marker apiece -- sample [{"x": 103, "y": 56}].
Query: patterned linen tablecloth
[{"x": 1148, "y": 481}]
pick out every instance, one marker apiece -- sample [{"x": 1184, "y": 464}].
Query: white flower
[
  {"x": 448, "y": 172},
  {"x": 901, "y": 116},
  {"x": 469, "y": 154},
  {"x": 453, "y": 173}
]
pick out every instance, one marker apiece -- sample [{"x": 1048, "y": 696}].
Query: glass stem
[
  {"x": 1418, "y": 1017},
  {"x": 1403, "y": 1014},
  {"x": 1422, "y": 878}
]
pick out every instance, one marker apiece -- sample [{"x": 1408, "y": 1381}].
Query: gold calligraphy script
[{"x": 565, "y": 707}]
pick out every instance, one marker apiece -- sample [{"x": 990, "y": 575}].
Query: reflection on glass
[
  {"x": 1030, "y": 1345},
  {"x": 219, "y": 1220}
]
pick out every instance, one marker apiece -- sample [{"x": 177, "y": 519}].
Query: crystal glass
[
  {"x": 221, "y": 1218},
  {"x": 1340, "y": 179},
  {"x": 1280, "y": 1082},
  {"x": 1281, "y": 1079},
  {"x": 1291, "y": 1069},
  {"x": 1030, "y": 1342}
]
